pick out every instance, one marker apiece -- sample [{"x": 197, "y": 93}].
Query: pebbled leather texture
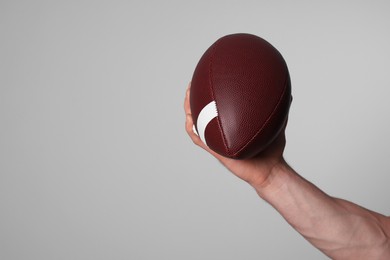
[{"x": 249, "y": 81}]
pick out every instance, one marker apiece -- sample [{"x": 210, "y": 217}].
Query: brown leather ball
[{"x": 240, "y": 95}]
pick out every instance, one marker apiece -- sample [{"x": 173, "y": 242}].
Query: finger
[
  {"x": 187, "y": 110},
  {"x": 189, "y": 129},
  {"x": 187, "y": 107},
  {"x": 189, "y": 122}
]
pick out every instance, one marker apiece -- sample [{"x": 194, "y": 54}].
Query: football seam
[
  {"x": 267, "y": 120},
  {"x": 213, "y": 97}
]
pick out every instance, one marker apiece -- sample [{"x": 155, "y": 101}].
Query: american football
[{"x": 240, "y": 95}]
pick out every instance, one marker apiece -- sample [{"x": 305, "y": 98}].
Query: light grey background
[{"x": 94, "y": 159}]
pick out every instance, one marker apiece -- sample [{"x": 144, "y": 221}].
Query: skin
[{"x": 338, "y": 228}]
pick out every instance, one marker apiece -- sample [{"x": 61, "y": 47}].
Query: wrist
[{"x": 279, "y": 174}]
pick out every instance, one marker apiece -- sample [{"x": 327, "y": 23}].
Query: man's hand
[{"x": 255, "y": 171}]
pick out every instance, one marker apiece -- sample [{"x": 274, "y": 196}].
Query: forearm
[{"x": 340, "y": 229}]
